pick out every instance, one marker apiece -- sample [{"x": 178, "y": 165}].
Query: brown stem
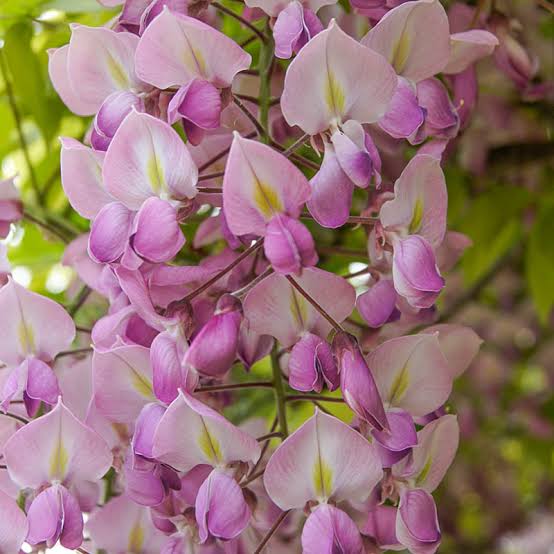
[
  {"x": 271, "y": 532},
  {"x": 248, "y": 287},
  {"x": 267, "y": 436},
  {"x": 252, "y": 477},
  {"x": 260, "y": 130},
  {"x": 45, "y": 226},
  {"x": 359, "y": 220},
  {"x": 264, "y": 448},
  {"x": 336, "y": 326},
  {"x": 80, "y": 299},
  {"x": 231, "y": 13},
  {"x": 296, "y": 144},
  {"x": 313, "y": 398},
  {"x": 16, "y": 417},
  {"x": 225, "y": 270},
  {"x": 83, "y": 329},
  {"x": 235, "y": 386},
  {"x": 74, "y": 352},
  {"x": 210, "y": 190},
  {"x": 209, "y": 176},
  {"x": 548, "y": 6}
]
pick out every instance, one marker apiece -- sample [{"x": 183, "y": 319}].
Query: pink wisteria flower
[{"x": 213, "y": 197}]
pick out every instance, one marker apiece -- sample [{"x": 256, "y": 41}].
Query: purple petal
[
  {"x": 332, "y": 190},
  {"x": 415, "y": 274},
  {"x": 221, "y": 510},
  {"x": 381, "y": 526},
  {"x": 329, "y": 529},
  {"x": 110, "y": 232},
  {"x": 145, "y": 427},
  {"x": 157, "y": 237},
  {"x": 288, "y": 245},
  {"x": 288, "y": 28},
  {"x": 378, "y": 305},
  {"x": 404, "y": 115},
  {"x": 311, "y": 364}
]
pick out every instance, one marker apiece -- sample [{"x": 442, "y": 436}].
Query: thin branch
[
  {"x": 248, "y": 287},
  {"x": 336, "y": 326},
  {"x": 210, "y": 190},
  {"x": 235, "y": 386},
  {"x": 364, "y": 271},
  {"x": 295, "y": 145},
  {"x": 46, "y": 226},
  {"x": 16, "y": 417},
  {"x": 252, "y": 477},
  {"x": 240, "y": 19},
  {"x": 248, "y": 98},
  {"x": 80, "y": 299},
  {"x": 225, "y": 270},
  {"x": 271, "y": 532},
  {"x": 19, "y": 125},
  {"x": 75, "y": 352},
  {"x": 260, "y": 130},
  {"x": 267, "y": 436},
  {"x": 80, "y": 329},
  {"x": 279, "y": 395},
  {"x": 209, "y": 176},
  {"x": 313, "y": 398},
  {"x": 248, "y": 41},
  {"x": 264, "y": 448},
  {"x": 548, "y": 6},
  {"x": 358, "y": 220}
]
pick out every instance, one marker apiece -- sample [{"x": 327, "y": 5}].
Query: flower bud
[{"x": 357, "y": 383}]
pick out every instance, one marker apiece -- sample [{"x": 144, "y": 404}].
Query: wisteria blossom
[{"x": 217, "y": 384}]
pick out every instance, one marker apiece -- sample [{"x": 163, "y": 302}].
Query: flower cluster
[{"x": 133, "y": 432}]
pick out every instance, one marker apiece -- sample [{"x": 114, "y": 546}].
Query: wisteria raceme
[{"x": 214, "y": 186}]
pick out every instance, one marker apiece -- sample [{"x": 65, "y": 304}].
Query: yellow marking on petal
[
  {"x": 424, "y": 472},
  {"x": 209, "y": 445},
  {"x": 400, "y": 385},
  {"x": 266, "y": 199},
  {"x": 155, "y": 174},
  {"x": 136, "y": 539},
  {"x": 401, "y": 53},
  {"x": 298, "y": 308},
  {"x": 142, "y": 385},
  {"x": 26, "y": 337},
  {"x": 117, "y": 72},
  {"x": 417, "y": 217},
  {"x": 322, "y": 476},
  {"x": 334, "y": 95},
  {"x": 58, "y": 462}
]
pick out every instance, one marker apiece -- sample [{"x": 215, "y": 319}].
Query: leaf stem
[
  {"x": 225, "y": 270},
  {"x": 279, "y": 395},
  {"x": 271, "y": 532},
  {"x": 264, "y": 67},
  {"x": 235, "y": 386},
  {"x": 240, "y": 19},
  {"x": 313, "y": 398}
]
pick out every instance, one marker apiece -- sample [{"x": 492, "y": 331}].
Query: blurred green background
[{"x": 499, "y": 495}]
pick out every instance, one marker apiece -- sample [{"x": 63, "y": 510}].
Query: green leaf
[
  {"x": 539, "y": 263},
  {"x": 28, "y": 80},
  {"x": 493, "y": 222}
]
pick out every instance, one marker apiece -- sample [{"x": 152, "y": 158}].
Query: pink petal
[
  {"x": 274, "y": 7},
  {"x": 417, "y": 526},
  {"x": 431, "y": 458},
  {"x": 258, "y": 184},
  {"x": 37, "y": 326},
  {"x": 288, "y": 245},
  {"x": 148, "y": 158},
  {"x": 198, "y": 102},
  {"x": 13, "y": 525},
  {"x": 158, "y": 236},
  {"x": 145, "y": 428},
  {"x": 404, "y": 116},
  {"x": 459, "y": 345},
  {"x": 332, "y": 190},
  {"x": 311, "y": 365},
  {"x": 59, "y": 75},
  {"x": 42, "y": 383},
  {"x": 134, "y": 530},
  {"x": 381, "y": 526},
  {"x": 203, "y": 437},
  {"x": 329, "y": 529},
  {"x": 378, "y": 304},
  {"x": 412, "y": 373},
  {"x": 58, "y": 447},
  {"x": 357, "y": 382},
  {"x": 166, "y": 56},
  {"x": 414, "y": 38},
  {"x": 324, "y": 458},
  {"x": 252, "y": 347},
  {"x": 221, "y": 510},
  {"x": 288, "y": 29},
  {"x": 330, "y": 80},
  {"x": 420, "y": 201},
  {"x": 469, "y": 47},
  {"x": 100, "y": 62},
  {"x": 81, "y": 171},
  {"x": 55, "y": 515},
  {"x": 110, "y": 232},
  {"x": 122, "y": 382},
  {"x": 273, "y": 307}
]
